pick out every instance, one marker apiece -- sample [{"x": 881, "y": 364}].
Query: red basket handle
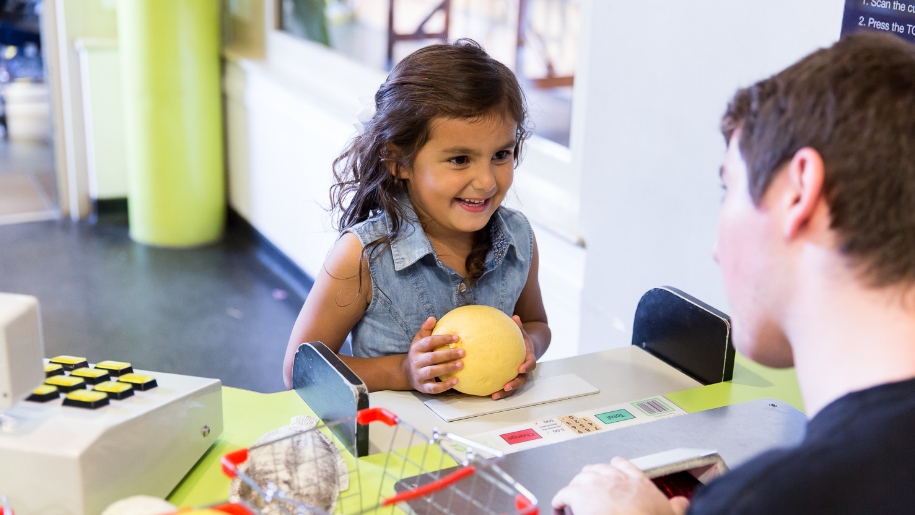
[
  {"x": 232, "y": 509},
  {"x": 369, "y": 415},
  {"x": 429, "y": 488},
  {"x": 232, "y": 460},
  {"x": 522, "y": 504}
]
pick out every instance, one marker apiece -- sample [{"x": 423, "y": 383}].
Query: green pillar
[{"x": 173, "y": 120}]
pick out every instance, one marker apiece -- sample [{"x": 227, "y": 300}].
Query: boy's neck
[{"x": 847, "y": 336}]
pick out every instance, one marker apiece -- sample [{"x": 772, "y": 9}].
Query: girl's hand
[
  {"x": 422, "y": 364},
  {"x": 530, "y": 362}
]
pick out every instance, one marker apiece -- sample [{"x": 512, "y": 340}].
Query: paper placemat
[{"x": 459, "y": 406}]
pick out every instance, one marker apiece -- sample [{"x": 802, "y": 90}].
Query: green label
[{"x": 614, "y": 416}]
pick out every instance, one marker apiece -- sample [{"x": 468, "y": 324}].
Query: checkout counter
[
  {"x": 677, "y": 386},
  {"x": 749, "y": 409}
]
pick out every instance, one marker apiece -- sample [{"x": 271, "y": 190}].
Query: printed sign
[
  {"x": 893, "y": 16},
  {"x": 574, "y": 425}
]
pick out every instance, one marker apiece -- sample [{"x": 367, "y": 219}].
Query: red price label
[{"x": 525, "y": 435}]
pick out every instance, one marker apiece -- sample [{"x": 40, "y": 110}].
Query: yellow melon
[{"x": 493, "y": 345}]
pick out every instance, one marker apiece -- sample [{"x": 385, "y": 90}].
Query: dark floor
[{"x": 216, "y": 311}]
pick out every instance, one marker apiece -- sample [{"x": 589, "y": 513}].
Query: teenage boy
[{"x": 816, "y": 243}]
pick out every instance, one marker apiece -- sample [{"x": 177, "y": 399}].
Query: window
[{"x": 543, "y": 53}]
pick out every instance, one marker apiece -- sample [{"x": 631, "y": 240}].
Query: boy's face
[{"x": 748, "y": 251}]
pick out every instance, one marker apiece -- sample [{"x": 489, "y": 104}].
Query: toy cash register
[{"x": 77, "y": 436}]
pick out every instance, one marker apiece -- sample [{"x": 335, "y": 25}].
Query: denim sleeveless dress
[{"x": 410, "y": 283}]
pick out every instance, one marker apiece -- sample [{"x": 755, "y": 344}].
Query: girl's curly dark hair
[{"x": 457, "y": 80}]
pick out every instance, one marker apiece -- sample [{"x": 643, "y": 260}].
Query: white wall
[
  {"x": 100, "y": 84},
  {"x": 285, "y": 125},
  {"x": 63, "y": 22},
  {"x": 653, "y": 81}
]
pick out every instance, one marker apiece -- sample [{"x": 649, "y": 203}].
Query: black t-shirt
[{"x": 858, "y": 457}]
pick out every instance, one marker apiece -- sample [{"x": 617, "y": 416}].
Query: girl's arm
[
  {"x": 530, "y": 310},
  {"x": 337, "y": 301},
  {"x": 530, "y": 315}
]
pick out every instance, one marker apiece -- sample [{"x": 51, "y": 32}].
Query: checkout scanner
[{"x": 678, "y": 343}]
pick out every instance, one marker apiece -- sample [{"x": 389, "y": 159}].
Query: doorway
[{"x": 28, "y": 190}]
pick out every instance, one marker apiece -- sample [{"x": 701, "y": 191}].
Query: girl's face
[{"x": 461, "y": 175}]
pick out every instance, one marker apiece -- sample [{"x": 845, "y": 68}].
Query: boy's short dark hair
[{"x": 855, "y": 104}]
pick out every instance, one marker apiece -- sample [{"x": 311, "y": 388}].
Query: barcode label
[{"x": 652, "y": 407}]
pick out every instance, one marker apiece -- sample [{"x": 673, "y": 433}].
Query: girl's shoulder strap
[
  {"x": 371, "y": 229},
  {"x": 513, "y": 217},
  {"x": 520, "y": 232}
]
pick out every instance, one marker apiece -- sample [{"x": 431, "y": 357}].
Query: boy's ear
[{"x": 805, "y": 200}]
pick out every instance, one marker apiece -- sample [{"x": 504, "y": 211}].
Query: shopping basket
[{"x": 437, "y": 474}]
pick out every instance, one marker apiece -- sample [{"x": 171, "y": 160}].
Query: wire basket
[{"x": 428, "y": 477}]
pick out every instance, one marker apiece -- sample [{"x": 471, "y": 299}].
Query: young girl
[{"x": 419, "y": 195}]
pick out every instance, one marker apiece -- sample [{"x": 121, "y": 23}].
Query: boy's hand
[
  {"x": 530, "y": 362},
  {"x": 617, "y": 488},
  {"x": 422, "y": 364}
]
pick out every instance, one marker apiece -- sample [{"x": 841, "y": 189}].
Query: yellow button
[
  {"x": 91, "y": 375},
  {"x": 86, "y": 395},
  {"x": 112, "y": 386},
  {"x": 86, "y": 399},
  {"x": 70, "y": 362},
  {"x": 139, "y": 382},
  {"x": 53, "y": 369},
  {"x": 115, "y": 367},
  {"x": 66, "y": 383},
  {"x": 44, "y": 393},
  {"x": 114, "y": 389}
]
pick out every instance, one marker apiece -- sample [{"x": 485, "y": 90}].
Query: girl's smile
[{"x": 474, "y": 205}]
